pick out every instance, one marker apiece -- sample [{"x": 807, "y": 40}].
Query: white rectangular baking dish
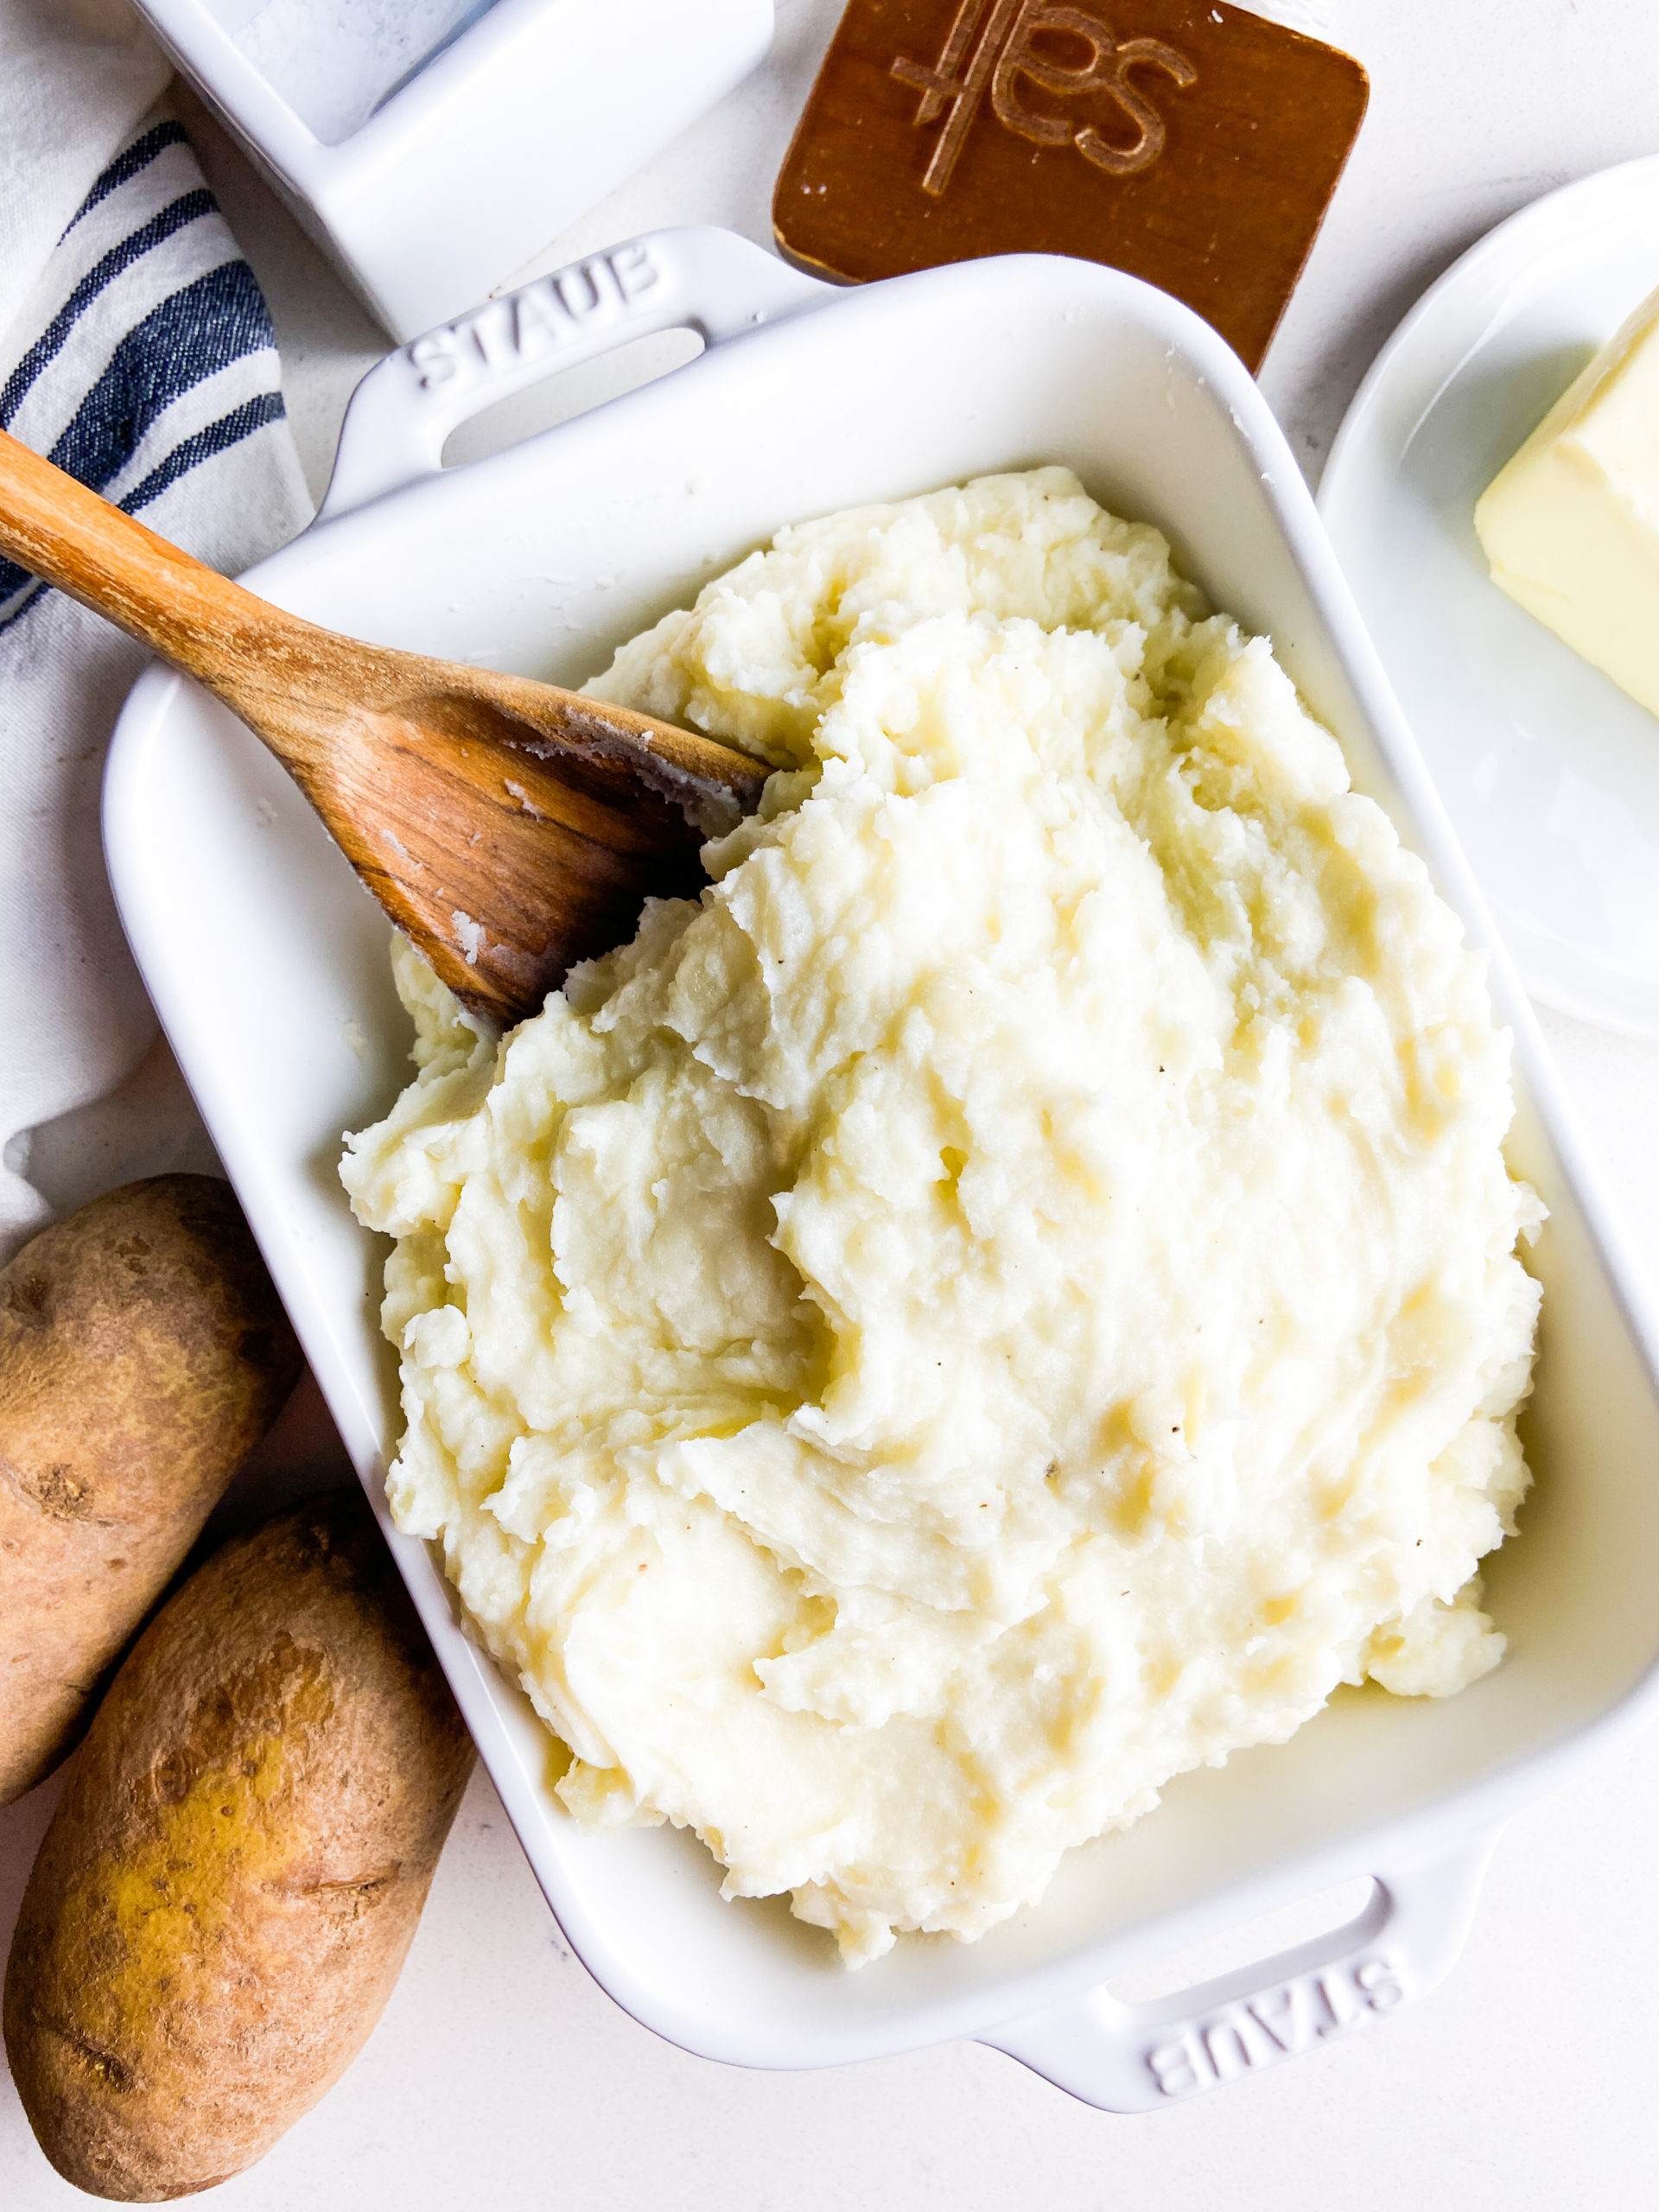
[{"x": 268, "y": 965}]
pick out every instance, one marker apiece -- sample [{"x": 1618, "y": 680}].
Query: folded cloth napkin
[{"x": 136, "y": 352}]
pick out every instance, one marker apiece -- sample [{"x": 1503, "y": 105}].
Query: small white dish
[
  {"x": 1549, "y": 773},
  {"x": 433, "y": 149}
]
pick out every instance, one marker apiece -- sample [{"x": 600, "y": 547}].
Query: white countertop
[{"x": 500, "y": 2074}]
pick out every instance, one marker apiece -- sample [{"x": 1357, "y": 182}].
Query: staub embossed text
[
  {"x": 539, "y": 319},
  {"x": 1274, "y": 2023},
  {"x": 1005, "y": 54}
]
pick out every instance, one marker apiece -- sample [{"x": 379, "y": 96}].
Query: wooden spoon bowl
[{"x": 510, "y": 828}]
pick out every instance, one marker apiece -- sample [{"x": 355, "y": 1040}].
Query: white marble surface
[{"x": 499, "y": 2074}]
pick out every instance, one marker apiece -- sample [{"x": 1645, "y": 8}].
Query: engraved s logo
[
  {"x": 1106, "y": 70},
  {"x": 1004, "y": 54},
  {"x": 1149, "y": 54}
]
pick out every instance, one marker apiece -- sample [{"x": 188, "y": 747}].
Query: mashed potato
[{"x": 1010, "y": 1297}]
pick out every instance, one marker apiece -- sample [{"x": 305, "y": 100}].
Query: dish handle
[
  {"x": 1140, "y": 2057},
  {"x": 698, "y": 278}
]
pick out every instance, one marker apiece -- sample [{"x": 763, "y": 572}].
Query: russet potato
[
  {"x": 143, "y": 1352},
  {"x": 223, "y": 1902}
]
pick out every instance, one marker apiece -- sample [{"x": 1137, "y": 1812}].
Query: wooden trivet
[{"x": 1187, "y": 142}]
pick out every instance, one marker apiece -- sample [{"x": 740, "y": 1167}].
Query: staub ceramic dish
[{"x": 269, "y": 967}]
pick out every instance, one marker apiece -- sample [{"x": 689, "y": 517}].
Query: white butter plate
[
  {"x": 1550, "y": 773},
  {"x": 267, "y": 964}
]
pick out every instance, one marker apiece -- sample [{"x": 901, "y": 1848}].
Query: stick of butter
[{"x": 1571, "y": 525}]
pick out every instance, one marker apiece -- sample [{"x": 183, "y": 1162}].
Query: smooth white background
[{"x": 499, "y": 2075}]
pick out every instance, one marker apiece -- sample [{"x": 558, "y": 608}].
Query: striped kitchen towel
[{"x": 141, "y": 359}]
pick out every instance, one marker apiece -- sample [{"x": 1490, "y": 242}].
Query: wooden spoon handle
[{"x": 58, "y": 530}]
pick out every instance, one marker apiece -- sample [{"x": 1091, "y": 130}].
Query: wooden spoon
[{"x": 510, "y": 828}]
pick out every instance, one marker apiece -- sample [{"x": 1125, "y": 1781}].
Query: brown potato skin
[
  {"x": 143, "y": 1353},
  {"x": 221, "y": 1906}
]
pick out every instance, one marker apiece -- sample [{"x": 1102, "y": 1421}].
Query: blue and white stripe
[
  {"x": 152, "y": 348},
  {"x": 136, "y": 351}
]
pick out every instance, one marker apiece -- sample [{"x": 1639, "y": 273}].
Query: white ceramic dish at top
[
  {"x": 522, "y": 117},
  {"x": 1550, "y": 773},
  {"x": 268, "y": 966}
]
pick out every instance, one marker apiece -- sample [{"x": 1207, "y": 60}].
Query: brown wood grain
[
  {"x": 1187, "y": 142},
  {"x": 509, "y": 828}
]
